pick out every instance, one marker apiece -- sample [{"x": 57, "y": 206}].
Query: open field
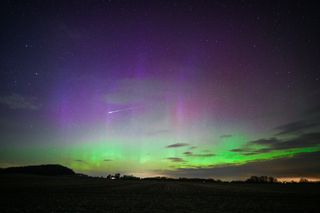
[{"x": 80, "y": 194}]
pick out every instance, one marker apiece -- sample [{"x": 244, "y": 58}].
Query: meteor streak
[{"x": 122, "y": 110}]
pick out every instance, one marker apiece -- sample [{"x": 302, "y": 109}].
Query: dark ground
[{"x": 79, "y": 194}]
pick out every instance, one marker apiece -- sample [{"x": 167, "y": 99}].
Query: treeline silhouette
[
  {"x": 58, "y": 170},
  {"x": 117, "y": 176},
  {"x": 252, "y": 179},
  {"x": 261, "y": 179}
]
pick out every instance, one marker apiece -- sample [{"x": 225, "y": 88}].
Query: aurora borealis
[{"x": 223, "y": 89}]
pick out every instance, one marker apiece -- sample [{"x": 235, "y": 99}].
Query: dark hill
[{"x": 51, "y": 170}]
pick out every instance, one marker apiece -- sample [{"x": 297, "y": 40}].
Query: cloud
[
  {"x": 107, "y": 160},
  {"x": 274, "y": 144},
  {"x": 258, "y": 151},
  {"x": 176, "y": 160},
  {"x": 191, "y": 154},
  {"x": 187, "y": 153},
  {"x": 302, "y": 141},
  {"x": 16, "y": 101},
  {"x": 203, "y": 155},
  {"x": 240, "y": 150},
  {"x": 295, "y": 127},
  {"x": 266, "y": 142},
  {"x": 301, "y": 165},
  {"x": 225, "y": 136},
  {"x": 176, "y": 145},
  {"x": 80, "y": 161}
]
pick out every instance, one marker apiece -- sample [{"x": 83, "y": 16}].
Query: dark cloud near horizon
[
  {"x": 176, "y": 145},
  {"x": 300, "y": 136},
  {"x": 295, "y": 127},
  {"x": 191, "y": 154},
  {"x": 80, "y": 161},
  {"x": 240, "y": 150},
  {"x": 302, "y": 141},
  {"x": 300, "y": 165},
  {"x": 176, "y": 159},
  {"x": 274, "y": 144},
  {"x": 265, "y": 142}
]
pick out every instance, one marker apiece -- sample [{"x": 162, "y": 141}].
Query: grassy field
[{"x": 80, "y": 194}]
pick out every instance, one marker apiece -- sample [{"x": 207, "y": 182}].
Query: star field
[{"x": 176, "y": 88}]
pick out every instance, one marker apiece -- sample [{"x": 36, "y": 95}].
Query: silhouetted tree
[
  {"x": 130, "y": 177},
  {"x": 117, "y": 176},
  {"x": 261, "y": 179},
  {"x": 303, "y": 180}
]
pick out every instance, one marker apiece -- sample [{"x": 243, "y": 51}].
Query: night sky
[{"x": 221, "y": 89}]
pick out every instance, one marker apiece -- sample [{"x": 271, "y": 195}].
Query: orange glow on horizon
[{"x": 297, "y": 179}]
